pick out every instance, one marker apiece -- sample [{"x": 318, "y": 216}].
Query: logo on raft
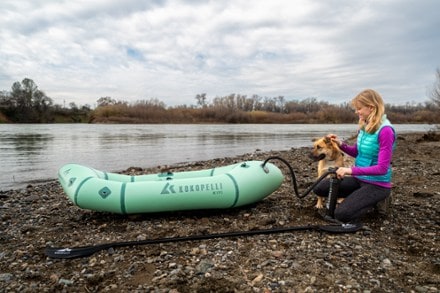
[{"x": 216, "y": 188}]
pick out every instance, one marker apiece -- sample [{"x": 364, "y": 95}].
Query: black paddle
[{"x": 75, "y": 252}]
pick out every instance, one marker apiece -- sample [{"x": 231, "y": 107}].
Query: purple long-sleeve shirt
[{"x": 386, "y": 142}]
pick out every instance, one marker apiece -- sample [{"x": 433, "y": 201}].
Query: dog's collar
[{"x": 336, "y": 157}]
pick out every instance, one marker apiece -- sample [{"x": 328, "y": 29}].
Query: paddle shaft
[
  {"x": 59, "y": 252},
  {"x": 75, "y": 252}
]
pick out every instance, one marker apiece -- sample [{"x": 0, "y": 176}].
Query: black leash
[
  {"x": 75, "y": 252},
  {"x": 293, "y": 176}
]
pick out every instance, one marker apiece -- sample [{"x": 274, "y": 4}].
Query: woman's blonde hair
[{"x": 370, "y": 98}]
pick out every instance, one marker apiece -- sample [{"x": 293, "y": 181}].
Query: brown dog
[{"x": 327, "y": 152}]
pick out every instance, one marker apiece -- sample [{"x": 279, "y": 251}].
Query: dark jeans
[{"x": 359, "y": 197}]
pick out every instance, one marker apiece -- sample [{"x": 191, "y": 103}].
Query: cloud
[{"x": 172, "y": 50}]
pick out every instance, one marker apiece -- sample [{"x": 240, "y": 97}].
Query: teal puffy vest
[{"x": 368, "y": 151}]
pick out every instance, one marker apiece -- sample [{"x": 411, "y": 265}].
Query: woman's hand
[
  {"x": 343, "y": 171},
  {"x": 334, "y": 138}
]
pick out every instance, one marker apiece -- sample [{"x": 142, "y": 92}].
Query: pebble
[
  {"x": 386, "y": 262},
  {"x": 6, "y": 277},
  {"x": 65, "y": 282}
]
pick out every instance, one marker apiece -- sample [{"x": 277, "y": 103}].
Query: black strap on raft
[{"x": 83, "y": 251}]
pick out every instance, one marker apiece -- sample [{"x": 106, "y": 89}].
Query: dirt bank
[{"x": 394, "y": 253}]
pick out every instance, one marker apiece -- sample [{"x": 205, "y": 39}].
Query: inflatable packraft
[{"x": 218, "y": 188}]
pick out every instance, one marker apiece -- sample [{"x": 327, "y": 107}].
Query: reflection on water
[
  {"x": 21, "y": 151},
  {"x": 30, "y": 152},
  {"x": 27, "y": 144}
]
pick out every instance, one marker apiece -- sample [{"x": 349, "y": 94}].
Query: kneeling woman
[{"x": 369, "y": 180}]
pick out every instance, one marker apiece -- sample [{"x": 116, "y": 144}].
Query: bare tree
[
  {"x": 105, "y": 101},
  {"x": 32, "y": 104},
  {"x": 201, "y": 100},
  {"x": 435, "y": 96}
]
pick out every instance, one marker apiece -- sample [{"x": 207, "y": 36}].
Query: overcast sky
[{"x": 78, "y": 51}]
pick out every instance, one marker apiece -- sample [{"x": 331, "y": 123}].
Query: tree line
[{"x": 25, "y": 103}]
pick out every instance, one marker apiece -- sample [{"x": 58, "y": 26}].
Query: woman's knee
[
  {"x": 322, "y": 188},
  {"x": 343, "y": 215}
]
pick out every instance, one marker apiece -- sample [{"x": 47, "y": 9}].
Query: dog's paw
[
  {"x": 340, "y": 199},
  {"x": 319, "y": 203}
]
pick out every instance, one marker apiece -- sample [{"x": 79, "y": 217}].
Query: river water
[{"x": 31, "y": 153}]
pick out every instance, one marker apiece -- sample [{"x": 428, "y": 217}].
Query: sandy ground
[{"x": 398, "y": 252}]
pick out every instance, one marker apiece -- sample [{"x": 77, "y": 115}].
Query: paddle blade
[
  {"x": 341, "y": 228},
  {"x": 59, "y": 252}
]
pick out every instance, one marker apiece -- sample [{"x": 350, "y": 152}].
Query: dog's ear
[{"x": 327, "y": 140}]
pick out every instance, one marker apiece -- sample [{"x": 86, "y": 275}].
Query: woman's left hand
[{"x": 343, "y": 171}]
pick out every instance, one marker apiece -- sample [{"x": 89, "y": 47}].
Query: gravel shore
[{"x": 398, "y": 252}]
